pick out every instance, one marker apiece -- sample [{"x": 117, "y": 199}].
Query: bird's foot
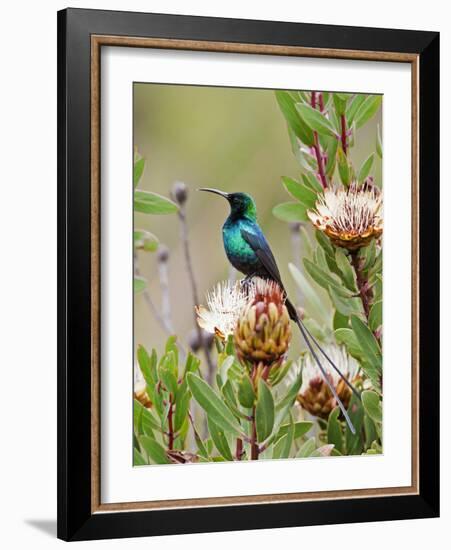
[{"x": 246, "y": 282}]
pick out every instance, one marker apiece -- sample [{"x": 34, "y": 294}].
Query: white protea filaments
[
  {"x": 351, "y": 217},
  {"x": 225, "y": 304},
  {"x": 314, "y": 394}
]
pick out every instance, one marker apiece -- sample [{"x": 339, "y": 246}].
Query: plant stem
[
  {"x": 239, "y": 449},
  {"x": 254, "y": 447},
  {"x": 167, "y": 327},
  {"x": 171, "y": 427},
  {"x": 165, "y": 299},
  {"x": 319, "y": 160},
  {"x": 189, "y": 266},
  {"x": 149, "y": 301},
  {"x": 317, "y": 148},
  {"x": 343, "y": 134}
]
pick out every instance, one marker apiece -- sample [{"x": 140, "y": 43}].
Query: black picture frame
[{"x": 76, "y": 520}]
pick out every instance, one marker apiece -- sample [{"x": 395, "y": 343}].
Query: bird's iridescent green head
[{"x": 241, "y": 204}]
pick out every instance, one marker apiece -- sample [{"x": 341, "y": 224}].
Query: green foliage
[
  {"x": 290, "y": 212},
  {"x": 165, "y": 422},
  {"x": 264, "y": 411},
  {"x": 153, "y": 203}
]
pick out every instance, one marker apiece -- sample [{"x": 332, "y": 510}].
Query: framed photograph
[{"x": 248, "y": 274}]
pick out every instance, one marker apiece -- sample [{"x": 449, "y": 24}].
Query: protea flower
[
  {"x": 263, "y": 332},
  {"x": 140, "y": 391},
  {"x": 225, "y": 304},
  {"x": 351, "y": 217},
  {"x": 314, "y": 395}
]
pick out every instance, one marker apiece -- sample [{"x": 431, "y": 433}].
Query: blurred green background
[{"x": 230, "y": 138}]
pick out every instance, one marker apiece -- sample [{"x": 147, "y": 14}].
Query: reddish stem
[
  {"x": 254, "y": 447},
  {"x": 365, "y": 291},
  {"x": 171, "y": 428},
  {"x": 344, "y": 134},
  {"x": 317, "y": 147},
  {"x": 314, "y": 100},
  {"x": 319, "y": 160},
  {"x": 239, "y": 449}
]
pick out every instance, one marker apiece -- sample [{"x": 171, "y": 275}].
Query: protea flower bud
[
  {"x": 315, "y": 396},
  {"x": 179, "y": 192},
  {"x": 351, "y": 217},
  {"x": 140, "y": 389},
  {"x": 263, "y": 331}
]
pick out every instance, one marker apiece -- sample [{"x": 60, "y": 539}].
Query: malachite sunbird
[{"x": 248, "y": 251}]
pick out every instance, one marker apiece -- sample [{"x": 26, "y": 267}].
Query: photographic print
[{"x": 258, "y": 225}]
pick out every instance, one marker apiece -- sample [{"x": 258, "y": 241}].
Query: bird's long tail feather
[
  {"x": 332, "y": 364},
  {"x": 306, "y": 335}
]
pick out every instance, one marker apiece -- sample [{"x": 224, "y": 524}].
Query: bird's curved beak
[{"x": 216, "y": 191}]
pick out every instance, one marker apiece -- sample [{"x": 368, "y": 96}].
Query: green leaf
[
  {"x": 379, "y": 142},
  {"x": 345, "y": 268},
  {"x": 367, "y": 109},
  {"x": 354, "y": 442},
  {"x": 343, "y": 168},
  {"x": 311, "y": 181},
  {"x": 279, "y": 447},
  {"x": 316, "y": 120},
  {"x": 367, "y": 342},
  {"x": 331, "y": 150},
  {"x": 307, "y": 448},
  {"x": 284, "y": 406},
  {"x": 219, "y": 439},
  {"x": 371, "y": 433},
  {"x": 144, "y": 417},
  {"x": 340, "y": 102},
  {"x": 143, "y": 240},
  {"x": 138, "y": 459},
  {"x": 312, "y": 300},
  {"x": 372, "y": 404},
  {"x": 353, "y": 107},
  {"x": 340, "y": 321},
  {"x": 139, "y": 284},
  {"x": 264, "y": 411},
  {"x": 167, "y": 377},
  {"x": 375, "y": 317},
  {"x": 246, "y": 394},
  {"x": 152, "y": 203},
  {"x": 368, "y": 253},
  {"x": 283, "y": 446},
  {"x": 146, "y": 364},
  {"x": 334, "y": 432},
  {"x": 277, "y": 375},
  {"x": 300, "y": 429},
  {"x": 213, "y": 405},
  {"x": 290, "y": 212},
  {"x": 138, "y": 169},
  {"x": 326, "y": 280},
  {"x": 287, "y": 105},
  {"x": 181, "y": 411},
  {"x": 347, "y": 337},
  {"x": 300, "y": 192},
  {"x": 346, "y": 306},
  {"x": 373, "y": 373},
  {"x": 154, "y": 450},
  {"x": 365, "y": 169},
  {"x": 325, "y": 243}
]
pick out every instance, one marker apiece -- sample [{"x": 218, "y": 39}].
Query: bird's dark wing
[{"x": 260, "y": 246}]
